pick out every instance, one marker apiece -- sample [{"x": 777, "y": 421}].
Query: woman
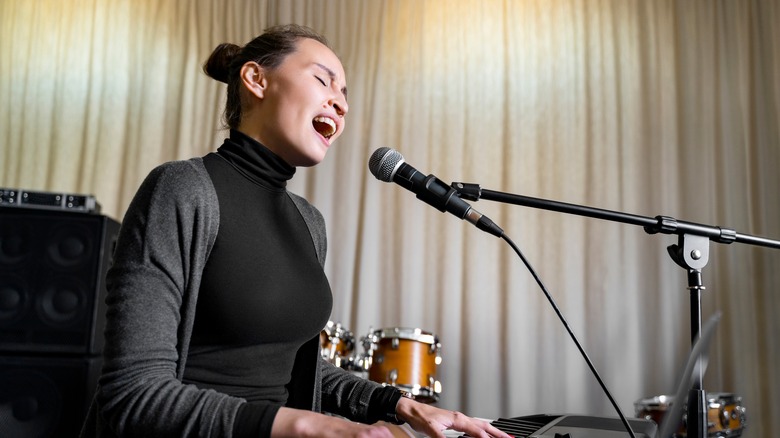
[{"x": 217, "y": 294}]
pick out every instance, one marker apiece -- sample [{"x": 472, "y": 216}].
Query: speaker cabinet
[
  {"x": 45, "y": 396},
  {"x": 53, "y": 265}
]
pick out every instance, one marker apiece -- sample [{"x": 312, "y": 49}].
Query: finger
[
  {"x": 471, "y": 426},
  {"x": 495, "y": 432},
  {"x": 476, "y": 428},
  {"x": 492, "y": 430}
]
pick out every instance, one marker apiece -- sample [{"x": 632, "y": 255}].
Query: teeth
[{"x": 328, "y": 122}]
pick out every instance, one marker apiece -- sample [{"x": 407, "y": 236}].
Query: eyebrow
[{"x": 332, "y": 75}]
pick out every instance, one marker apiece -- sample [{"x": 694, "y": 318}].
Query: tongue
[{"x": 323, "y": 128}]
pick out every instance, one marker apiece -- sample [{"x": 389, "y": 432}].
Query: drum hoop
[
  {"x": 727, "y": 398},
  {"x": 659, "y": 401},
  {"x": 413, "y": 334},
  {"x": 712, "y": 397},
  {"x": 332, "y": 329}
]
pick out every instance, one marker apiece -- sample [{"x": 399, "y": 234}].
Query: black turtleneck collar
[{"x": 255, "y": 161}]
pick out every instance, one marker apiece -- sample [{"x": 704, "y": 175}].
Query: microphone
[{"x": 388, "y": 165}]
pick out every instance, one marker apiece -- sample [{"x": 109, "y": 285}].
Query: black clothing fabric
[
  {"x": 164, "y": 244},
  {"x": 263, "y": 292}
]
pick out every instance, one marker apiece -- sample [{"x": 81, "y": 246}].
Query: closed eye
[{"x": 321, "y": 81}]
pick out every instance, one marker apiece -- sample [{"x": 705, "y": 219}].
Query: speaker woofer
[
  {"x": 14, "y": 299},
  {"x": 70, "y": 246},
  {"x": 15, "y": 243},
  {"x": 45, "y": 397},
  {"x": 30, "y": 404},
  {"x": 63, "y": 302}
]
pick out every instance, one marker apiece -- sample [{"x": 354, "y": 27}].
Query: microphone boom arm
[
  {"x": 658, "y": 224},
  {"x": 691, "y": 253}
]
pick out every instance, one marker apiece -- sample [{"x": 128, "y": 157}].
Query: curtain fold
[{"x": 649, "y": 108}]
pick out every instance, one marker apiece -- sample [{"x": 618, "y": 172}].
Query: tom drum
[{"x": 406, "y": 358}]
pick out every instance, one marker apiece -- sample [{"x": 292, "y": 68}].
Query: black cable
[{"x": 571, "y": 333}]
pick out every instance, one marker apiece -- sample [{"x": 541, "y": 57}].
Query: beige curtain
[{"x": 643, "y": 107}]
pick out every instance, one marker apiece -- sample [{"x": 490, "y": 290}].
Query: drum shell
[{"x": 407, "y": 359}]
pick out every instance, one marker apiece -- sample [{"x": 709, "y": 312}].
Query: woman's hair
[{"x": 268, "y": 50}]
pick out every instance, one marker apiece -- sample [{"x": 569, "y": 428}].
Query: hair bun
[{"x": 218, "y": 64}]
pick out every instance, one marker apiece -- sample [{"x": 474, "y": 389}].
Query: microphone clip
[
  {"x": 467, "y": 191},
  {"x": 439, "y": 195}
]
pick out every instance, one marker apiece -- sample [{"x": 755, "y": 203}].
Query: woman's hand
[
  {"x": 432, "y": 421},
  {"x": 296, "y": 423}
]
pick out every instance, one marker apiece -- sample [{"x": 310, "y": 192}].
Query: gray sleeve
[
  {"x": 163, "y": 244},
  {"x": 344, "y": 393},
  {"x": 316, "y": 224}
]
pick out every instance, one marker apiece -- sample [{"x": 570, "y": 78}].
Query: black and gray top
[{"x": 215, "y": 303}]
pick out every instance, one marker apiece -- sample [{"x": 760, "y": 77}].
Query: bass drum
[
  {"x": 405, "y": 358},
  {"x": 725, "y": 414}
]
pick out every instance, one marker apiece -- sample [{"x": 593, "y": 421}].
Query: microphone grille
[{"x": 383, "y": 163}]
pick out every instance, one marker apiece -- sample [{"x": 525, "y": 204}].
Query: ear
[{"x": 253, "y": 78}]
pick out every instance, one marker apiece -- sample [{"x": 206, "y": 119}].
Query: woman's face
[{"x": 303, "y": 104}]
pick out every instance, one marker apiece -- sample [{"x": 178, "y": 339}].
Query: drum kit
[
  {"x": 725, "y": 414},
  {"x": 406, "y": 358}
]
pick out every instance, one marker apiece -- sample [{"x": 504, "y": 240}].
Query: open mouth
[{"x": 325, "y": 126}]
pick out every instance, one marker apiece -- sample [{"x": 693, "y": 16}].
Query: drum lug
[
  {"x": 392, "y": 376},
  {"x": 395, "y": 342}
]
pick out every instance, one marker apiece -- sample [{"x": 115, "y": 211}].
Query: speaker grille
[
  {"x": 52, "y": 272},
  {"x": 45, "y": 396}
]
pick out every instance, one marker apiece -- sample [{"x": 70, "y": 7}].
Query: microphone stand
[{"x": 691, "y": 253}]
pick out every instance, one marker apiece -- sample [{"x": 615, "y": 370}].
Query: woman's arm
[
  {"x": 152, "y": 287},
  {"x": 295, "y": 423}
]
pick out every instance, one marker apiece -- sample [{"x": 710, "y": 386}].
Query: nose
[{"x": 340, "y": 105}]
